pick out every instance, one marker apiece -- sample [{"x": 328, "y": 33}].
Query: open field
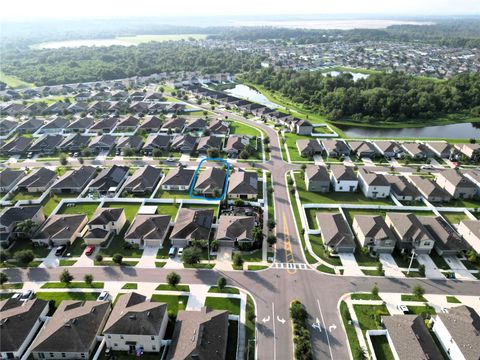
[{"x": 14, "y": 82}]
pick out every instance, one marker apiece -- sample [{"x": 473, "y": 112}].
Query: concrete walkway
[
  {"x": 149, "y": 257},
  {"x": 350, "y": 265},
  {"x": 198, "y": 294},
  {"x": 318, "y": 160},
  {"x": 390, "y": 266},
  {"x": 461, "y": 272},
  {"x": 224, "y": 258},
  {"x": 51, "y": 261},
  {"x": 431, "y": 270},
  {"x": 175, "y": 263},
  {"x": 354, "y": 318},
  {"x": 185, "y": 157}
]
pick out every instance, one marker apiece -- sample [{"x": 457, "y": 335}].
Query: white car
[
  {"x": 104, "y": 296},
  {"x": 28, "y": 295},
  {"x": 427, "y": 167},
  {"x": 403, "y": 308},
  {"x": 180, "y": 252}
]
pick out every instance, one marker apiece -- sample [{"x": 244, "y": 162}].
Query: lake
[
  {"x": 245, "y": 92},
  {"x": 453, "y": 131},
  {"x": 355, "y": 75},
  {"x": 78, "y": 43}
]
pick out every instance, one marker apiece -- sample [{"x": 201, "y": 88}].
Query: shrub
[
  {"x": 88, "y": 278},
  {"x": 418, "y": 290},
  {"x": 221, "y": 282},
  {"x": 191, "y": 255},
  {"x": 117, "y": 259},
  {"x": 24, "y": 256},
  {"x": 237, "y": 259},
  {"x": 66, "y": 277},
  {"x": 3, "y": 278},
  {"x": 173, "y": 279},
  {"x": 99, "y": 258}
]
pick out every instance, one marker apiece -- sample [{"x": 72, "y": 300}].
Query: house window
[
  {"x": 64, "y": 355},
  {"x": 115, "y": 344},
  {"x": 83, "y": 355},
  {"x": 51, "y": 355},
  {"x": 41, "y": 355},
  {"x": 109, "y": 336},
  {"x": 154, "y": 347},
  {"x": 426, "y": 243},
  {"x": 121, "y": 337},
  {"x": 152, "y": 337}
]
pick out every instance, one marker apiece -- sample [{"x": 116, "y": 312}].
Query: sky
[{"x": 44, "y": 9}]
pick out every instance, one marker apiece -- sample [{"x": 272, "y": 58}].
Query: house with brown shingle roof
[
  {"x": 410, "y": 232},
  {"x": 336, "y": 234},
  {"x": 232, "y": 229},
  {"x": 373, "y": 232},
  {"x": 243, "y": 184},
  {"x": 191, "y": 224},
  {"x": 456, "y": 184},
  {"x": 317, "y": 178},
  {"x": 148, "y": 230}
]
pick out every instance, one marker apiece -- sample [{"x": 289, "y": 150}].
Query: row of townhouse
[{"x": 135, "y": 325}]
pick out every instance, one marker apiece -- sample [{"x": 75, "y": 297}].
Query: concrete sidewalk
[
  {"x": 390, "y": 266},
  {"x": 350, "y": 265},
  {"x": 149, "y": 257},
  {"x": 431, "y": 270}
]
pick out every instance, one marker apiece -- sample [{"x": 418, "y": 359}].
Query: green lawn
[
  {"x": 454, "y": 218},
  {"x": 82, "y": 208},
  {"x": 257, "y": 267},
  {"x": 14, "y": 82},
  {"x": 439, "y": 260},
  {"x": 16, "y": 264},
  {"x": 111, "y": 263},
  {"x": 232, "y": 340},
  {"x": 52, "y": 201},
  {"x": 403, "y": 260},
  {"x": 57, "y": 297},
  {"x": 175, "y": 303},
  {"x": 318, "y": 248},
  {"x": 130, "y": 209},
  {"x": 25, "y": 196},
  {"x": 198, "y": 266},
  {"x": 160, "y": 264},
  {"x": 118, "y": 246},
  {"x": 364, "y": 296},
  {"x": 381, "y": 347},
  {"x": 425, "y": 311},
  {"x": 453, "y": 300},
  {"x": 21, "y": 244},
  {"x": 171, "y": 194},
  {"x": 76, "y": 248},
  {"x": 229, "y": 304},
  {"x": 365, "y": 259},
  {"x": 226, "y": 290},
  {"x": 168, "y": 287},
  {"x": 325, "y": 269},
  {"x": 64, "y": 262},
  {"x": 308, "y": 197},
  {"x": 255, "y": 256},
  {"x": 351, "y": 213},
  {"x": 130, "y": 286},
  {"x": 12, "y": 286},
  {"x": 355, "y": 347},
  {"x": 412, "y": 297},
  {"x": 291, "y": 141},
  {"x": 374, "y": 272},
  {"x": 239, "y": 128},
  {"x": 73, "y": 285},
  {"x": 369, "y": 316}
]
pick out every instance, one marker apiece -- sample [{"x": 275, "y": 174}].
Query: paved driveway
[
  {"x": 224, "y": 258},
  {"x": 431, "y": 270},
  {"x": 461, "y": 272},
  {"x": 390, "y": 266},
  {"x": 350, "y": 265},
  {"x": 149, "y": 256}
]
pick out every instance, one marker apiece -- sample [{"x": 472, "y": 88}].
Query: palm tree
[{"x": 25, "y": 228}]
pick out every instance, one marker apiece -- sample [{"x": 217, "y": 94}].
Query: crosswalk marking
[{"x": 290, "y": 266}]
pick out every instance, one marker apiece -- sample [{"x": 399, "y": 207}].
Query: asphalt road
[{"x": 274, "y": 289}]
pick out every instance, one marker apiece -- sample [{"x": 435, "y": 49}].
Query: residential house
[
  {"x": 373, "y": 185},
  {"x": 178, "y": 179},
  {"x": 336, "y": 148},
  {"x": 470, "y": 231},
  {"x": 136, "y": 324},
  {"x": 389, "y": 149},
  {"x": 104, "y": 125},
  {"x": 143, "y": 181},
  {"x": 148, "y": 230},
  {"x": 56, "y": 126},
  {"x": 104, "y": 223},
  {"x": 235, "y": 229},
  {"x": 134, "y": 143},
  {"x": 17, "y": 146},
  {"x": 343, "y": 178},
  {"x": 73, "y": 330},
  {"x": 156, "y": 141},
  {"x": 409, "y": 338},
  {"x": 473, "y": 176},
  {"x": 308, "y": 148},
  {"x": 128, "y": 124},
  {"x": 38, "y": 181},
  {"x": 191, "y": 224},
  {"x": 7, "y": 126},
  {"x": 196, "y": 125},
  {"x": 456, "y": 184},
  {"x": 442, "y": 149},
  {"x": 174, "y": 125},
  {"x": 458, "y": 332},
  {"x": 243, "y": 184},
  {"x": 183, "y": 143},
  {"x": 60, "y": 230},
  {"x": 206, "y": 143},
  {"x": 109, "y": 180},
  {"x": 20, "y": 321},
  {"x": 74, "y": 181},
  {"x": 447, "y": 241},
  {"x": 364, "y": 149},
  {"x": 151, "y": 124},
  {"x": 30, "y": 126},
  {"x": 219, "y": 127},
  {"x": 211, "y": 181},
  {"x": 12, "y": 216},
  {"x": 74, "y": 143},
  {"x": 80, "y": 125},
  {"x": 302, "y": 127},
  {"x": 430, "y": 190},
  {"x": 411, "y": 234},
  {"x": 317, "y": 178},
  {"x": 402, "y": 189},
  {"x": 373, "y": 232},
  {"x": 417, "y": 150},
  {"x": 235, "y": 144},
  {"x": 102, "y": 143},
  {"x": 46, "y": 144},
  {"x": 9, "y": 178},
  {"x": 200, "y": 335},
  {"x": 336, "y": 234},
  {"x": 471, "y": 151}
]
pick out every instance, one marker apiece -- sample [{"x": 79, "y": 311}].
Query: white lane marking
[
  {"x": 274, "y": 336},
  {"x": 281, "y": 320},
  {"x": 326, "y": 332},
  {"x": 266, "y": 319},
  {"x": 316, "y": 325},
  {"x": 332, "y": 327}
]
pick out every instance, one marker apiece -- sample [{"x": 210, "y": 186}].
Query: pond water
[
  {"x": 453, "y": 131},
  {"x": 78, "y": 43},
  {"x": 355, "y": 75},
  {"x": 246, "y": 92}
]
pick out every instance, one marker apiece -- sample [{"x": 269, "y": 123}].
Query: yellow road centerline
[{"x": 288, "y": 247}]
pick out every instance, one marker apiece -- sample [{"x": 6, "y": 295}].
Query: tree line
[{"x": 384, "y": 96}]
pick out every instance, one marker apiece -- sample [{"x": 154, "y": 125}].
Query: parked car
[
  {"x": 172, "y": 252},
  {"x": 60, "y": 250},
  {"x": 27, "y": 295},
  {"x": 180, "y": 251},
  {"x": 403, "y": 308},
  {"x": 104, "y": 296},
  {"x": 89, "y": 250},
  {"x": 17, "y": 296}
]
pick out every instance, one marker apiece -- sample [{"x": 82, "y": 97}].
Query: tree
[
  {"x": 374, "y": 290},
  {"x": 271, "y": 239},
  {"x": 3, "y": 278},
  {"x": 66, "y": 277},
  {"x": 380, "y": 267},
  {"x": 88, "y": 278},
  {"x": 472, "y": 256},
  {"x": 266, "y": 140},
  {"x": 271, "y": 224},
  {"x": 221, "y": 282},
  {"x": 63, "y": 159},
  {"x": 257, "y": 234},
  {"x": 213, "y": 153},
  {"x": 128, "y": 152},
  {"x": 298, "y": 312},
  {"x": 237, "y": 260},
  {"x": 173, "y": 279},
  {"x": 157, "y": 152},
  {"x": 4, "y": 256},
  {"x": 418, "y": 290},
  {"x": 26, "y": 227},
  {"x": 191, "y": 255},
  {"x": 24, "y": 256},
  {"x": 98, "y": 258},
  {"x": 117, "y": 259}
]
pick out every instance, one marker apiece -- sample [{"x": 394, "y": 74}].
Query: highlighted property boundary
[{"x": 195, "y": 175}]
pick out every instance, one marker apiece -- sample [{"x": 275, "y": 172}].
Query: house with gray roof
[
  {"x": 151, "y": 124},
  {"x": 373, "y": 185},
  {"x": 243, "y": 184},
  {"x": 9, "y": 178},
  {"x": 74, "y": 142},
  {"x": 148, "y": 230},
  {"x": 38, "y": 181},
  {"x": 73, "y": 330},
  {"x": 389, "y": 149},
  {"x": 30, "y": 126},
  {"x": 210, "y": 181},
  {"x": 308, "y": 147},
  {"x": 191, "y": 224},
  {"x": 373, "y": 232},
  {"x": 343, "y": 178},
  {"x": 143, "y": 181},
  {"x": 156, "y": 141},
  {"x": 200, "y": 335},
  {"x": 458, "y": 332},
  {"x": 219, "y": 127},
  {"x": 136, "y": 324},
  {"x": 134, "y": 143},
  {"x": 402, "y": 189},
  {"x": 364, "y": 149},
  {"x": 233, "y": 229},
  {"x": 102, "y": 143},
  {"x": 417, "y": 150},
  {"x": 430, "y": 189},
  {"x": 109, "y": 180},
  {"x": 471, "y": 151},
  {"x": 179, "y": 178},
  {"x": 104, "y": 125},
  {"x": 104, "y": 223},
  {"x": 235, "y": 144},
  {"x": 174, "y": 125},
  {"x": 60, "y": 229},
  {"x": 46, "y": 144},
  {"x": 12, "y": 216},
  {"x": 336, "y": 234},
  {"x": 17, "y": 146},
  {"x": 442, "y": 149},
  {"x": 410, "y": 232},
  {"x": 184, "y": 143},
  {"x": 317, "y": 178},
  {"x": 456, "y": 184},
  {"x": 74, "y": 181},
  {"x": 19, "y": 323},
  {"x": 56, "y": 126},
  {"x": 336, "y": 148},
  {"x": 80, "y": 125},
  {"x": 447, "y": 241},
  {"x": 409, "y": 338},
  {"x": 127, "y": 124},
  {"x": 196, "y": 125},
  {"x": 206, "y": 143}
]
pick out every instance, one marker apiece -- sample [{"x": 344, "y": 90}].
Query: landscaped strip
[
  {"x": 73, "y": 285},
  {"x": 232, "y": 305}
]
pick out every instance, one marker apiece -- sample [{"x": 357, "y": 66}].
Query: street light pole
[{"x": 411, "y": 261}]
